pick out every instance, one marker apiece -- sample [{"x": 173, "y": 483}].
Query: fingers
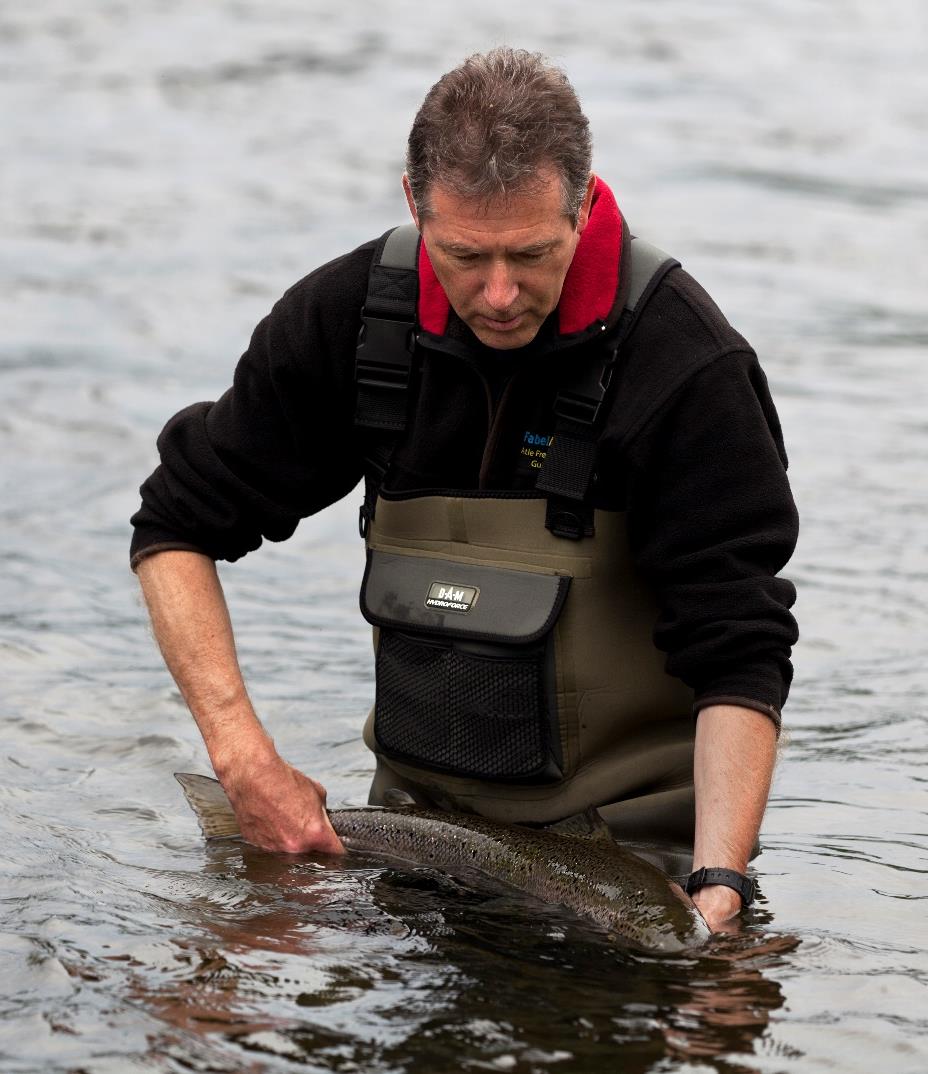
[{"x": 281, "y": 809}]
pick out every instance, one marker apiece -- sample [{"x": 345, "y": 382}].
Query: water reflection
[{"x": 309, "y": 959}]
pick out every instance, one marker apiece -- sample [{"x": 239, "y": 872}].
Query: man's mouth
[{"x": 502, "y": 324}]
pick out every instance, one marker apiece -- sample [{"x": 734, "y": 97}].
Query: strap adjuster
[
  {"x": 384, "y": 355},
  {"x": 568, "y": 519},
  {"x": 365, "y": 514},
  {"x": 583, "y": 400},
  {"x": 578, "y": 408}
]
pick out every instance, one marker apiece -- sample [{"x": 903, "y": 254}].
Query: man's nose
[{"x": 500, "y": 289}]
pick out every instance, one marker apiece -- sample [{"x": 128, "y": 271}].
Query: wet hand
[
  {"x": 720, "y": 906},
  {"x": 281, "y": 809}
]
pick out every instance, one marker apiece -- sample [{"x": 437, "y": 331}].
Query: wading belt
[{"x": 385, "y": 373}]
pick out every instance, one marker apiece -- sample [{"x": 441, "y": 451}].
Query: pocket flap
[{"x": 463, "y": 600}]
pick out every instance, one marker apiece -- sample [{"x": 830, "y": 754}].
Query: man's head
[
  {"x": 487, "y": 127},
  {"x": 498, "y": 182}
]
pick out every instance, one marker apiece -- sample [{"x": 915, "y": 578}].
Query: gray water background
[{"x": 168, "y": 170}]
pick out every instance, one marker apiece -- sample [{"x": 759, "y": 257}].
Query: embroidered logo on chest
[{"x": 535, "y": 448}]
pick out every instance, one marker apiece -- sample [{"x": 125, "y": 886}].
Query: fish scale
[{"x": 589, "y": 874}]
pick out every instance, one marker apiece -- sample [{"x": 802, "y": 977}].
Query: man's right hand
[{"x": 278, "y": 808}]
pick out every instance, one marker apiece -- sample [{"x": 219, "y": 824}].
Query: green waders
[{"x": 516, "y": 673}]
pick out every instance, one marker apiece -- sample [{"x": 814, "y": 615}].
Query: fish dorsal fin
[
  {"x": 208, "y": 800},
  {"x": 396, "y": 798},
  {"x": 586, "y": 825}
]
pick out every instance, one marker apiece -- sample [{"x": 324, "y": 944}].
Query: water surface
[{"x": 169, "y": 170}]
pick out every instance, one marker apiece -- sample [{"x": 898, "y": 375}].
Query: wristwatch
[{"x": 728, "y": 878}]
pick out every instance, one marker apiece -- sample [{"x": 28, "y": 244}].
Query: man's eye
[{"x": 532, "y": 257}]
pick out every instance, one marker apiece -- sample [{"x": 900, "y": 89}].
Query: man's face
[{"x": 502, "y": 263}]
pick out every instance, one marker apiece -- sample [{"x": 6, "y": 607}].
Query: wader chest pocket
[{"x": 465, "y": 666}]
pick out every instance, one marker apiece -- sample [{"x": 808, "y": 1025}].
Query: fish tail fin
[{"x": 209, "y": 802}]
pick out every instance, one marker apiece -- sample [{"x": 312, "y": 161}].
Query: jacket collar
[{"x": 591, "y": 287}]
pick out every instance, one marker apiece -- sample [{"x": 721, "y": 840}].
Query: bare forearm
[
  {"x": 733, "y": 767},
  {"x": 193, "y": 630},
  {"x": 277, "y": 806}
]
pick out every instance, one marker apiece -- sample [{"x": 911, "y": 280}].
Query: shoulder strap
[
  {"x": 571, "y": 457},
  {"x": 649, "y": 266},
  {"x": 383, "y": 361},
  {"x": 384, "y": 356}
]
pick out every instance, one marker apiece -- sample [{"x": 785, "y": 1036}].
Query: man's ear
[
  {"x": 584, "y": 215},
  {"x": 407, "y": 190}
]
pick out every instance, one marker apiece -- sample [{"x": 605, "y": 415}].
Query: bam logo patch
[{"x": 449, "y": 597}]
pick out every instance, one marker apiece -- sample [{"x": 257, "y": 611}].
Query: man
[{"x": 558, "y": 474}]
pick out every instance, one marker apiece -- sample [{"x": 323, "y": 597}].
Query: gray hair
[{"x": 486, "y": 128}]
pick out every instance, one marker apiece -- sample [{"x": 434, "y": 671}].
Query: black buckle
[
  {"x": 695, "y": 881},
  {"x": 384, "y": 355},
  {"x": 365, "y": 514},
  {"x": 568, "y": 519},
  {"x": 577, "y": 408},
  {"x": 583, "y": 400}
]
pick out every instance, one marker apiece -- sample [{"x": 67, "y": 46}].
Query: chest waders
[{"x": 516, "y": 675}]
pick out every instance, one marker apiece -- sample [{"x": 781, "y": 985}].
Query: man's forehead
[
  {"x": 530, "y": 217},
  {"x": 544, "y": 184}
]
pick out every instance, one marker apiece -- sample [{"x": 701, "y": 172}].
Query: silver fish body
[
  {"x": 591, "y": 875},
  {"x": 610, "y": 886}
]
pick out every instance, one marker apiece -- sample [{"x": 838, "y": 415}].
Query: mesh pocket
[{"x": 479, "y": 715}]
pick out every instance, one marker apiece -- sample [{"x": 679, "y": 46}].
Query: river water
[{"x": 169, "y": 169}]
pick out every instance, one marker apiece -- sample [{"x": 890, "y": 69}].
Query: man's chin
[{"x": 505, "y": 338}]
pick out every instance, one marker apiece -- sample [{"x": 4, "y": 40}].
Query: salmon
[{"x": 576, "y": 864}]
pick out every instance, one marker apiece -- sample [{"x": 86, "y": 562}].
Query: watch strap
[{"x": 728, "y": 878}]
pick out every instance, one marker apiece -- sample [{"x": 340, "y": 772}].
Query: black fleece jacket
[{"x": 691, "y": 448}]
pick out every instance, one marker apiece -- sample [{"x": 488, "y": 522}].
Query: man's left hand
[{"x": 720, "y": 906}]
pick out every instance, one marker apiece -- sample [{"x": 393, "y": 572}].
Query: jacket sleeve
[
  {"x": 712, "y": 522},
  {"x": 279, "y": 444}
]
